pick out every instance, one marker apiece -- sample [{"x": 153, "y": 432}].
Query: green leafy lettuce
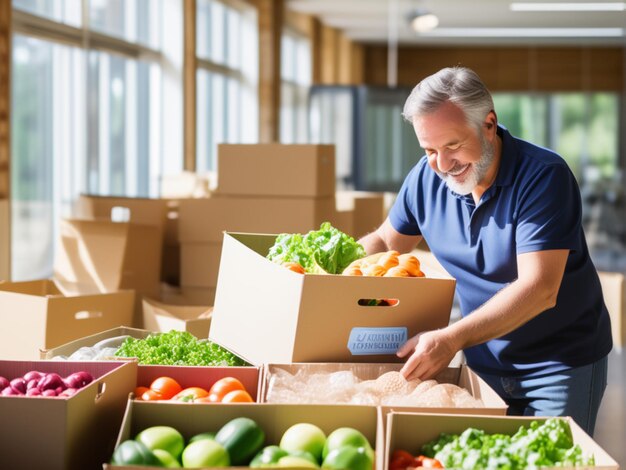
[
  {"x": 327, "y": 250},
  {"x": 547, "y": 444}
]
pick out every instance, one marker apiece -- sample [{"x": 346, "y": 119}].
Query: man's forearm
[
  {"x": 373, "y": 243},
  {"x": 506, "y": 311}
]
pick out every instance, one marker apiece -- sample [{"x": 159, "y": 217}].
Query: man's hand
[{"x": 431, "y": 352}]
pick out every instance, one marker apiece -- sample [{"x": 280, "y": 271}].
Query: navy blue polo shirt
[{"x": 533, "y": 205}]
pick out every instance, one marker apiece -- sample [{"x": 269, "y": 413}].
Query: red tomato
[
  {"x": 167, "y": 387},
  {"x": 151, "y": 395},
  {"x": 401, "y": 460},
  {"x": 237, "y": 396},
  {"x": 227, "y": 384},
  {"x": 139, "y": 391}
]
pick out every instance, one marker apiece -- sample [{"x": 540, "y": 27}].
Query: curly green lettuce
[{"x": 327, "y": 250}]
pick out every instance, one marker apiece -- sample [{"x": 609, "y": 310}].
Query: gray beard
[{"x": 477, "y": 171}]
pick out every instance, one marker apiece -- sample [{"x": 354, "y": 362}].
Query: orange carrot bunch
[{"x": 385, "y": 264}]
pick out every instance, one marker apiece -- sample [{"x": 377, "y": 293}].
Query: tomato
[
  {"x": 190, "y": 394},
  {"x": 151, "y": 395},
  {"x": 227, "y": 384},
  {"x": 139, "y": 391},
  {"x": 401, "y": 459},
  {"x": 237, "y": 396},
  {"x": 167, "y": 387}
]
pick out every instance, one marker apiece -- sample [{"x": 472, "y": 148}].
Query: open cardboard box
[
  {"x": 45, "y": 314},
  {"x": 462, "y": 376},
  {"x": 276, "y": 169},
  {"x": 266, "y": 313},
  {"x": 204, "y": 377},
  {"x": 199, "y": 264},
  {"x": 162, "y": 317},
  {"x": 67, "y": 349},
  {"x": 410, "y": 431},
  {"x": 191, "y": 419},
  {"x": 76, "y": 433}
]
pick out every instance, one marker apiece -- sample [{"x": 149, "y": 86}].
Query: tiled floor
[{"x": 610, "y": 430}]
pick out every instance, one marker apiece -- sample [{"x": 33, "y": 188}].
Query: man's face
[{"x": 459, "y": 154}]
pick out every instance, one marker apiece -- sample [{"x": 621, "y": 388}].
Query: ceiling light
[
  {"x": 553, "y": 6},
  {"x": 528, "y": 32},
  {"x": 422, "y": 21}
]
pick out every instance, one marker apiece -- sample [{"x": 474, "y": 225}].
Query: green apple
[
  {"x": 205, "y": 453},
  {"x": 166, "y": 458},
  {"x": 304, "y": 436},
  {"x": 162, "y": 437},
  {"x": 202, "y": 435},
  {"x": 348, "y": 458},
  {"x": 268, "y": 457},
  {"x": 292, "y": 461},
  {"x": 345, "y": 437}
]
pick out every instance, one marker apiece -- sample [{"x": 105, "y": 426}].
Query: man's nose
[{"x": 444, "y": 162}]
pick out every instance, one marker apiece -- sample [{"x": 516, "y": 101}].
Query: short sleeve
[
  {"x": 403, "y": 210},
  {"x": 549, "y": 212}
]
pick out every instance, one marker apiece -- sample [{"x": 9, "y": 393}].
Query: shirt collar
[{"x": 508, "y": 158}]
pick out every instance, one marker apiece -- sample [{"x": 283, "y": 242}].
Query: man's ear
[{"x": 491, "y": 123}]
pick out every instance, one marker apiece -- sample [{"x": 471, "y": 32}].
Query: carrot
[
  {"x": 352, "y": 271},
  {"x": 389, "y": 259},
  {"x": 373, "y": 270},
  {"x": 397, "y": 271}
]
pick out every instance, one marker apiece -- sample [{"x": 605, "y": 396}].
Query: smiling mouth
[{"x": 458, "y": 172}]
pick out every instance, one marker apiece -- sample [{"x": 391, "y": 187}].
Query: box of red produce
[
  {"x": 490, "y": 442},
  {"x": 75, "y": 430},
  {"x": 173, "y": 431}
]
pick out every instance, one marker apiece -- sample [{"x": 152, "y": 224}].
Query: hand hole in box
[
  {"x": 378, "y": 302},
  {"x": 102, "y": 386},
  {"x": 120, "y": 214},
  {"x": 87, "y": 314}
]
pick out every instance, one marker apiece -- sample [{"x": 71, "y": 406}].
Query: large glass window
[
  {"x": 86, "y": 115},
  {"x": 295, "y": 82},
  {"x": 581, "y": 127},
  {"x": 226, "y": 77}
]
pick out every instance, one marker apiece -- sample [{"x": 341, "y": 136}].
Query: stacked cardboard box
[{"x": 261, "y": 188}]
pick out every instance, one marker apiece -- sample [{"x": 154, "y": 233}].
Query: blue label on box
[{"x": 365, "y": 341}]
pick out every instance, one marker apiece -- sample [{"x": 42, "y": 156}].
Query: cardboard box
[
  {"x": 205, "y": 220},
  {"x": 191, "y": 419},
  {"x": 344, "y": 220},
  {"x": 276, "y": 169},
  {"x": 410, "y": 431},
  {"x": 613, "y": 289},
  {"x": 368, "y": 210},
  {"x": 158, "y": 316},
  {"x": 5, "y": 240},
  {"x": 205, "y": 377},
  {"x": 268, "y": 314},
  {"x": 39, "y": 314},
  {"x": 162, "y": 213},
  {"x": 111, "y": 256},
  {"x": 200, "y": 264},
  {"x": 65, "y": 433},
  {"x": 70, "y": 347},
  {"x": 462, "y": 376}
]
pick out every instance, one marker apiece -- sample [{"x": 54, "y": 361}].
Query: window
[
  {"x": 581, "y": 127},
  {"x": 295, "y": 82},
  {"x": 226, "y": 77},
  {"x": 87, "y": 107}
]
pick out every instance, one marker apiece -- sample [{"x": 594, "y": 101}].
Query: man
[{"x": 503, "y": 217}]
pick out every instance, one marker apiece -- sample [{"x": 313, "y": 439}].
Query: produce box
[
  {"x": 78, "y": 432},
  {"x": 410, "y": 431},
  {"x": 461, "y": 376},
  {"x": 276, "y": 169},
  {"x": 205, "y": 220},
  {"x": 159, "y": 316},
  {"x": 191, "y": 419},
  {"x": 45, "y": 314},
  {"x": 265, "y": 313},
  {"x": 70, "y": 347},
  {"x": 204, "y": 377}
]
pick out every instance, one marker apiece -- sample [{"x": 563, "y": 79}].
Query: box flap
[{"x": 91, "y": 253}]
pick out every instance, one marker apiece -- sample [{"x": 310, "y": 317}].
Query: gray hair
[{"x": 458, "y": 85}]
